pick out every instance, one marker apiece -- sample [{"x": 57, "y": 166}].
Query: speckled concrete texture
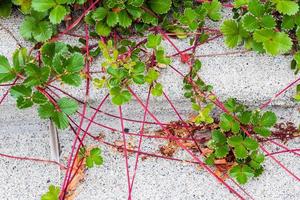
[{"x": 251, "y": 78}]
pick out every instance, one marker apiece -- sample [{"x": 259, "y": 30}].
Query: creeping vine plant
[{"x": 271, "y": 27}]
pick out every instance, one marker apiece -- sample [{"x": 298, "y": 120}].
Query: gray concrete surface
[{"x": 251, "y": 78}]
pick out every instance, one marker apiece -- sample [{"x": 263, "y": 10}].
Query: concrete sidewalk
[{"x": 249, "y": 77}]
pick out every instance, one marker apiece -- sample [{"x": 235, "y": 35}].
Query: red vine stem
[
  {"x": 279, "y": 93},
  {"x": 202, "y": 164},
  {"x": 140, "y": 142},
  {"x": 135, "y": 134},
  {"x": 75, "y": 23},
  {"x": 7, "y": 91},
  {"x": 175, "y": 110},
  {"x": 86, "y": 130},
  {"x": 69, "y": 170},
  {"x": 34, "y": 159},
  {"x": 190, "y": 48},
  {"x": 125, "y": 152},
  {"x": 220, "y": 105},
  {"x": 105, "y": 113}
]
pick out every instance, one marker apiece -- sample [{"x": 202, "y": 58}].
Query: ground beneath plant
[{"x": 249, "y": 77}]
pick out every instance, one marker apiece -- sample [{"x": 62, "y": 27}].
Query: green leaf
[
  {"x": 72, "y": 79},
  {"x": 139, "y": 68},
  {"x": 5, "y": 8},
  {"x": 218, "y": 137},
  {"x": 161, "y": 58},
  {"x": 263, "y": 35},
  {"x": 230, "y": 104},
  {"x": 245, "y": 117},
  {"x": 219, "y": 144},
  {"x": 255, "y": 117},
  {"x": 124, "y": 19},
  {"x": 157, "y": 90},
  {"x": 34, "y": 28},
  {"x": 197, "y": 65},
  {"x": 233, "y": 32},
  {"x": 135, "y": 12},
  {"x": 112, "y": 19},
  {"x": 287, "y": 22},
  {"x": 6, "y": 72},
  {"x": 256, "y": 8},
  {"x": 239, "y": 3},
  {"x": 43, "y": 31},
  {"x": 23, "y": 102},
  {"x": 24, "y": 4},
  {"x": 49, "y": 50},
  {"x": 240, "y": 152},
  {"x": 75, "y": 63},
  {"x": 149, "y": 19},
  {"x": 151, "y": 76},
  {"x": 42, "y": 5},
  {"x": 27, "y": 27},
  {"x": 64, "y": 1},
  {"x": 268, "y": 119},
  {"x": 59, "y": 63},
  {"x": 46, "y": 110},
  {"x": 189, "y": 18},
  {"x": 227, "y": 123},
  {"x": 81, "y": 1},
  {"x": 250, "y": 23},
  {"x": 274, "y": 42},
  {"x": 268, "y": 21},
  {"x": 52, "y": 194},
  {"x": 118, "y": 73},
  {"x": 205, "y": 115},
  {"x": 20, "y": 91},
  {"x": 95, "y": 158},
  {"x": 265, "y": 132},
  {"x": 286, "y": 6},
  {"x": 99, "y": 14},
  {"x": 138, "y": 79},
  {"x": 20, "y": 59},
  {"x": 60, "y": 119},
  {"x": 153, "y": 41},
  {"x": 255, "y": 46},
  {"x": 160, "y": 7},
  {"x": 120, "y": 97},
  {"x": 39, "y": 98},
  {"x": 136, "y": 3},
  {"x": 241, "y": 145},
  {"x": 68, "y": 106},
  {"x": 36, "y": 75},
  {"x": 256, "y": 160},
  {"x": 295, "y": 65},
  {"x": 210, "y": 160},
  {"x": 57, "y": 14},
  {"x": 39, "y": 15},
  {"x": 235, "y": 140},
  {"x": 213, "y": 9},
  {"x": 298, "y": 33},
  {"x": 102, "y": 29},
  {"x": 241, "y": 173},
  {"x": 250, "y": 143},
  {"x": 221, "y": 151}
]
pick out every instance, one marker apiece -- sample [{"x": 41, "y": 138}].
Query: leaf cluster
[
  {"x": 124, "y": 69},
  {"x": 264, "y": 27},
  {"x": 121, "y": 14},
  {"x": 57, "y": 63},
  {"x": 230, "y": 139},
  {"x": 195, "y": 90}
]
